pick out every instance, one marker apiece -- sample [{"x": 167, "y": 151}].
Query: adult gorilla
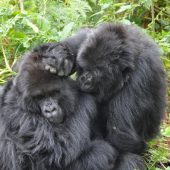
[
  {"x": 121, "y": 67},
  {"x": 46, "y": 123}
]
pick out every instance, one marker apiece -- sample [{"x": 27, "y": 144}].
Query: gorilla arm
[{"x": 64, "y": 53}]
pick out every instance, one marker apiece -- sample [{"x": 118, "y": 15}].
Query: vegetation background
[{"x": 27, "y": 23}]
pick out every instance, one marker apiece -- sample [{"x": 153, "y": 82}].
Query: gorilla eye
[
  {"x": 44, "y": 56},
  {"x": 57, "y": 91},
  {"x": 53, "y": 93},
  {"x": 40, "y": 96},
  {"x": 116, "y": 57},
  {"x": 53, "y": 57}
]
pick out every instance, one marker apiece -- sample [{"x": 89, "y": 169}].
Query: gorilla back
[{"x": 46, "y": 123}]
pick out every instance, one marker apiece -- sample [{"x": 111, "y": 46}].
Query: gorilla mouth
[
  {"x": 86, "y": 89},
  {"x": 56, "y": 120},
  {"x": 89, "y": 88}
]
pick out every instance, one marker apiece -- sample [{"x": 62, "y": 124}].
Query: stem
[
  {"x": 66, "y": 2},
  {"x": 163, "y": 166},
  {"x": 45, "y": 7},
  {"x": 153, "y": 16},
  {"x": 5, "y": 59},
  {"x": 21, "y": 3}
]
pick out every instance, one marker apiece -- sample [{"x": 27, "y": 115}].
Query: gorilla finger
[
  {"x": 68, "y": 65},
  {"x": 51, "y": 69}
]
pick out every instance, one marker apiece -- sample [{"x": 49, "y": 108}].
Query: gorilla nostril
[
  {"x": 49, "y": 109},
  {"x": 53, "y": 109},
  {"x": 82, "y": 78}
]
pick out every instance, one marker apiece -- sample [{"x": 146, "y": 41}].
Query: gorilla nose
[
  {"x": 53, "y": 113},
  {"x": 86, "y": 77},
  {"x": 50, "y": 108}
]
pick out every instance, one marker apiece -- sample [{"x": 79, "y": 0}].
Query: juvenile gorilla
[
  {"x": 46, "y": 123},
  {"x": 121, "y": 67}
]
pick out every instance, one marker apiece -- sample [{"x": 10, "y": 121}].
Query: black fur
[
  {"x": 46, "y": 123},
  {"x": 121, "y": 67},
  {"x": 128, "y": 80}
]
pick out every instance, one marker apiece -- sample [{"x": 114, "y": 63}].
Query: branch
[
  {"x": 21, "y": 3},
  {"x": 153, "y": 16}
]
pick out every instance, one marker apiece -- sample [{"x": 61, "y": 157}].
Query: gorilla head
[
  {"x": 105, "y": 61},
  {"x": 42, "y": 92}
]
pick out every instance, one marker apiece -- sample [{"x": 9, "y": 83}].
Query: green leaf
[
  {"x": 166, "y": 62},
  {"x": 67, "y": 30},
  {"x": 105, "y": 6},
  {"x": 126, "y": 21},
  {"x": 146, "y": 3},
  {"x": 167, "y": 132},
  {"x": 123, "y": 8},
  {"x": 17, "y": 34},
  {"x": 33, "y": 26},
  {"x": 26, "y": 43}
]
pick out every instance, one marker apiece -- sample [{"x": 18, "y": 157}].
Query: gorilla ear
[
  {"x": 116, "y": 57},
  {"x": 126, "y": 73}
]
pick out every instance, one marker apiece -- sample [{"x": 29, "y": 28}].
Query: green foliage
[
  {"x": 158, "y": 154},
  {"x": 25, "y": 25},
  {"x": 166, "y": 132}
]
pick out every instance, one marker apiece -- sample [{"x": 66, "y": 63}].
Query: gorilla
[
  {"x": 120, "y": 66},
  {"x": 46, "y": 123}
]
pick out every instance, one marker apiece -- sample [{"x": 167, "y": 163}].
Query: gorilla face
[
  {"x": 55, "y": 105},
  {"x": 89, "y": 79},
  {"x": 104, "y": 62},
  {"x": 50, "y": 108}
]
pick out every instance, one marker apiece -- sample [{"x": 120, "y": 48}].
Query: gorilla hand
[{"x": 56, "y": 58}]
